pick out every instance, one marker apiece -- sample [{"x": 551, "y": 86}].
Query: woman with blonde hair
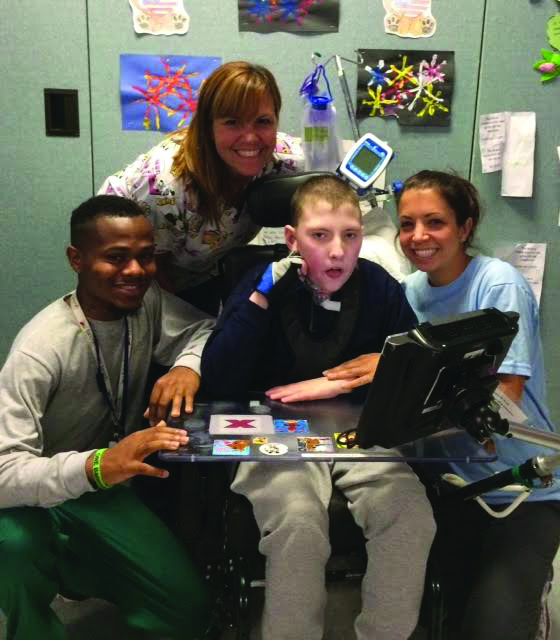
[{"x": 192, "y": 184}]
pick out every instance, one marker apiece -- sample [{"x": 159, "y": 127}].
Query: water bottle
[{"x": 321, "y": 145}]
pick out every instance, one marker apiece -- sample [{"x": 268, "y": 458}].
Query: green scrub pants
[{"x": 104, "y": 545}]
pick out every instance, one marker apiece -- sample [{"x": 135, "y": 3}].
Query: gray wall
[
  {"x": 42, "y": 45},
  {"x": 76, "y": 44},
  {"x": 509, "y": 83}
]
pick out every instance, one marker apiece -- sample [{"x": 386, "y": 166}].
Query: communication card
[
  {"x": 248, "y": 425},
  {"x": 291, "y": 426},
  {"x": 315, "y": 445},
  {"x": 231, "y": 448},
  {"x": 274, "y": 449}
]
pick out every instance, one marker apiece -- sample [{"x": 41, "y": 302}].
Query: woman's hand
[
  {"x": 355, "y": 372},
  {"x": 314, "y": 389}
]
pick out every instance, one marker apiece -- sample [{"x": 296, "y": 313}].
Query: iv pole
[{"x": 347, "y": 98}]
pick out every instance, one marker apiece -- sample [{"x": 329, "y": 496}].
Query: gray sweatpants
[{"x": 290, "y": 503}]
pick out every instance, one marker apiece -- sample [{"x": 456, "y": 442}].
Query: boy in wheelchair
[{"x": 282, "y": 327}]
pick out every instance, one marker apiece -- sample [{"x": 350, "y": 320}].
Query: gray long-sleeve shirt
[{"x": 52, "y": 414}]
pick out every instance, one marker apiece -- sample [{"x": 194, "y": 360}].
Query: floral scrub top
[{"x": 194, "y": 245}]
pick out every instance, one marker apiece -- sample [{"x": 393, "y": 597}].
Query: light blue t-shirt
[{"x": 490, "y": 282}]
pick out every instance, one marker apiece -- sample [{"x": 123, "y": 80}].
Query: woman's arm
[{"x": 512, "y": 385}]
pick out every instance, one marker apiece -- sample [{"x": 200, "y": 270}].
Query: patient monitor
[{"x": 365, "y": 161}]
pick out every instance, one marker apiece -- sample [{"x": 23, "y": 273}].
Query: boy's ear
[
  {"x": 74, "y": 258},
  {"x": 290, "y": 237}
]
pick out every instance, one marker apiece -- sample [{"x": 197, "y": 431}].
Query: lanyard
[{"x": 118, "y": 405}]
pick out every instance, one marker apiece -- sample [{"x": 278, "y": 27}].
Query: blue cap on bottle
[{"x": 320, "y": 103}]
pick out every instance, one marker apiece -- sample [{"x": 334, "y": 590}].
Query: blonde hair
[{"x": 234, "y": 89}]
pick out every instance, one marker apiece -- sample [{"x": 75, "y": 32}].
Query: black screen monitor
[{"x": 437, "y": 375}]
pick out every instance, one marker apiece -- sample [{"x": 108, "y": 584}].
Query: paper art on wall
[
  {"x": 416, "y": 87},
  {"x": 553, "y": 31},
  {"x": 159, "y": 17},
  {"x": 409, "y": 18},
  {"x": 266, "y": 16},
  {"x": 160, "y": 93},
  {"x": 548, "y": 66}
]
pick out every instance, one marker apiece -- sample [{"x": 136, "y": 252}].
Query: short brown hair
[
  {"x": 330, "y": 188},
  {"x": 233, "y": 89}
]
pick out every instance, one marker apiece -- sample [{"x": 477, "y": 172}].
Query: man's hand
[
  {"x": 314, "y": 389},
  {"x": 126, "y": 458},
  {"x": 176, "y": 387},
  {"x": 356, "y": 372}
]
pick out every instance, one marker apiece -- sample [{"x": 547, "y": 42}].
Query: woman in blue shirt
[{"x": 499, "y": 567}]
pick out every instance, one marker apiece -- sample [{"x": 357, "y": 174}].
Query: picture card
[
  {"x": 240, "y": 425},
  {"x": 315, "y": 444},
  {"x": 274, "y": 449},
  {"x": 291, "y": 426},
  {"x": 231, "y": 447}
]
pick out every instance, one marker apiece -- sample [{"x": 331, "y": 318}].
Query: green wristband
[{"x": 97, "y": 475}]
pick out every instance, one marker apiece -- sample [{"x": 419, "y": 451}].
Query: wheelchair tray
[{"x": 266, "y": 430}]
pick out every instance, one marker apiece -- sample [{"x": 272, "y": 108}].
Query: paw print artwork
[
  {"x": 409, "y": 18},
  {"x": 159, "y": 18}
]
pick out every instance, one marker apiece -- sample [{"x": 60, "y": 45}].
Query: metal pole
[
  {"x": 534, "y": 436},
  {"x": 347, "y": 98}
]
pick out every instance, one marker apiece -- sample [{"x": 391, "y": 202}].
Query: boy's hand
[
  {"x": 314, "y": 389},
  {"x": 176, "y": 387},
  {"x": 356, "y": 372},
  {"x": 126, "y": 458},
  {"x": 270, "y": 284}
]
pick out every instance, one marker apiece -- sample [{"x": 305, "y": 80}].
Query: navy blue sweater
[{"x": 251, "y": 350}]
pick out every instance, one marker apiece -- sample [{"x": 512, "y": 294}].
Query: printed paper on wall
[
  {"x": 159, "y": 17},
  {"x": 409, "y": 18}
]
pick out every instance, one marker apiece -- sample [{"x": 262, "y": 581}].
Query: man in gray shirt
[{"x": 71, "y": 432}]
